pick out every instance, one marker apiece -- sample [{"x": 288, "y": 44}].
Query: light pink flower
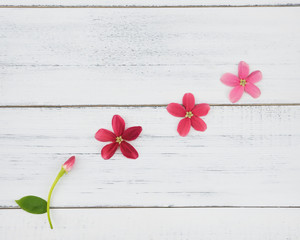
[
  {"x": 69, "y": 164},
  {"x": 242, "y": 82},
  {"x": 191, "y": 114}
]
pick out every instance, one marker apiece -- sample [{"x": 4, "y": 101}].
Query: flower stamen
[
  {"x": 119, "y": 139},
  {"x": 189, "y": 114},
  {"x": 243, "y": 82}
]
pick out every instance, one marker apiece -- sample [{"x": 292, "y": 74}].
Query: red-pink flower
[
  {"x": 118, "y": 138},
  {"x": 191, "y": 114},
  {"x": 242, "y": 82}
]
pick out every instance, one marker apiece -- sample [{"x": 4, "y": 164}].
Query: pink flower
[
  {"x": 118, "y": 139},
  {"x": 243, "y": 82},
  {"x": 69, "y": 164},
  {"x": 191, "y": 114}
]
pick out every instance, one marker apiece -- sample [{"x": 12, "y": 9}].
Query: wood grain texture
[
  {"x": 237, "y": 181},
  {"x": 159, "y": 224},
  {"x": 145, "y": 56},
  {"x": 249, "y": 156},
  {"x": 117, "y": 3}
]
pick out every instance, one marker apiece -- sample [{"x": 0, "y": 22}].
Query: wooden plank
[
  {"x": 117, "y": 3},
  {"x": 145, "y": 56},
  {"x": 249, "y": 156},
  {"x": 148, "y": 224}
]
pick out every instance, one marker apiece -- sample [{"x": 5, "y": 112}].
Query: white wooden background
[{"x": 65, "y": 72}]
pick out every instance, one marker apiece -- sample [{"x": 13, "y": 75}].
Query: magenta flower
[
  {"x": 242, "y": 82},
  {"x": 191, "y": 114},
  {"x": 118, "y": 138}
]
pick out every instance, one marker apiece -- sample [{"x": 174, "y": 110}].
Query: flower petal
[
  {"x": 252, "y": 90},
  {"x": 176, "y": 110},
  {"x": 254, "y": 77},
  {"x": 188, "y": 101},
  {"x": 184, "y": 127},
  {"x": 104, "y": 135},
  {"x": 128, "y": 150},
  {"x": 243, "y": 70},
  {"x": 131, "y": 133},
  {"x": 198, "y": 124},
  {"x": 118, "y": 125},
  {"x": 201, "y": 109},
  {"x": 236, "y": 93},
  {"x": 109, "y": 150},
  {"x": 230, "y": 79}
]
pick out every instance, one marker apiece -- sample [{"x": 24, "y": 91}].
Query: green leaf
[{"x": 33, "y": 204}]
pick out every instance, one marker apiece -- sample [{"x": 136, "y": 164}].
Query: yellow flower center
[
  {"x": 119, "y": 139},
  {"x": 243, "y": 82},
  {"x": 189, "y": 114}
]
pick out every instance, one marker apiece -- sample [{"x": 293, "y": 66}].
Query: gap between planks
[
  {"x": 152, "y": 207},
  {"x": 142, "y": 106},
  {"x": 166, "y": 6}
]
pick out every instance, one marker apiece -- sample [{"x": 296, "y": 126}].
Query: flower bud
[{"x": 67, "y": 166}]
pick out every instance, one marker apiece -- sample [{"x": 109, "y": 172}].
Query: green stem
[{"x": 59, "y": 175}]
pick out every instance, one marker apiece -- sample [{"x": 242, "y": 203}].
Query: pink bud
[{"x": 69, "y": 164}]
